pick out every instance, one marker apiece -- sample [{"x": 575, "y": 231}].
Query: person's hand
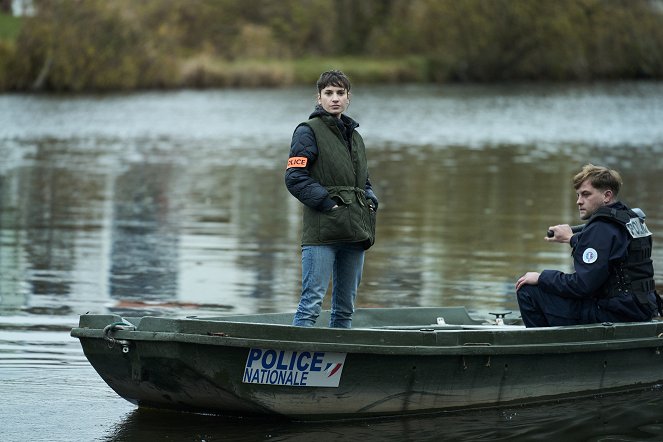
[
  {"x": 335, "y": 207},
  {"x": 561, "y": 233},
  {"x": 529, "y": 278}
]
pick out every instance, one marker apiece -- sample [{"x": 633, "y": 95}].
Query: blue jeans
[{"x": 345, "y": 262}]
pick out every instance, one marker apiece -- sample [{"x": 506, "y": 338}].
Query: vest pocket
[{"x": 335, "y": 225}]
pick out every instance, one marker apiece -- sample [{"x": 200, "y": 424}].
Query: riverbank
[
  {"x": 69, "y": 67},
  {"x": 206, "y": 72},
  {"x": 67, "y": 46},
  {"x": 210, "y": 72}
]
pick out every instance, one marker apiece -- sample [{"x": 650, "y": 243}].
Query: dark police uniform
[{"x": 613, "y": 279}]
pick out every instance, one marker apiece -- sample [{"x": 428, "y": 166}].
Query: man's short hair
[
  {"x": 333, "y": 78},
  {"x": 599, "y": 177}
]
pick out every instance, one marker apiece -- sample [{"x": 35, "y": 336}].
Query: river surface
[{"x": 173, "y": 203}]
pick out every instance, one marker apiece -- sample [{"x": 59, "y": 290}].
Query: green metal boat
[{"x": 392, "y": 362}]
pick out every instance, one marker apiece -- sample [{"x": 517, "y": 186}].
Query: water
[{"x": 173, "y": 203}]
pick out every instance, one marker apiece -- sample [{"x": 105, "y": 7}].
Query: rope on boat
[{"x": 112, "y": 328}]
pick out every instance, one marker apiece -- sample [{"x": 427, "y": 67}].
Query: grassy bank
[
  {"x": 207, "y": 72},
  {"x": 366, "y": 70}
]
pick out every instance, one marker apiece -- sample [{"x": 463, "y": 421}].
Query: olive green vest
[{"x": 343, "y": 173}]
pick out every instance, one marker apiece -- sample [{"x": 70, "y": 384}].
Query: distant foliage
[{"x": 81, "y": 45}]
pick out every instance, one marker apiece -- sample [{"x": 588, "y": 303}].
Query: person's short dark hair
[
  {"x": 599, "y": 177},
  {"x": 333, "y": 78}
]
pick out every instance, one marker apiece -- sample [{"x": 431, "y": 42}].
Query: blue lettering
[
  {"x": 254, "y": 355},
  {"x": 281, "y": 367},
  {"x": 317, "y": 360},
  {"x": 279, "y": 364},
  {"x": 301, "y": 366},
  {"x": 266, "y": 363}
]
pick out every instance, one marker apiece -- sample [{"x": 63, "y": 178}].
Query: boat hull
[{"x": 201, "y": 365}]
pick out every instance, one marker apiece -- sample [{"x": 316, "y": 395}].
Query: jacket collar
[{"x": 347, "y": 121}]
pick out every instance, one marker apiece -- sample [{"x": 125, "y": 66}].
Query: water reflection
[
  {"x": 463, "y": 233},
  {"x": 583, "y": 419},
  {"x": 144, "y": 237}
]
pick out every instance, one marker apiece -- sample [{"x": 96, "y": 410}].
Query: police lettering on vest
[{"x": 637, "y": 228}]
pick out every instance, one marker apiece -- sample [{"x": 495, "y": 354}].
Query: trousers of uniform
[{"x": 541, "y": 309}]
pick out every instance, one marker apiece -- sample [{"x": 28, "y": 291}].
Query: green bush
[
  {"x": 9, "y": 27},
  {"x": 7, "y": 53},
  {"x": 87, "y": 46}
]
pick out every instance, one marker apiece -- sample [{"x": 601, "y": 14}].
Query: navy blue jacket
[
  {"x": 599, "y": 244},
  {"x": 298, "y": 179}
]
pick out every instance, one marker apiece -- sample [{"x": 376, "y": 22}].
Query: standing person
[
  {"x": 328, "y": 173},
  {"x": 614, "y": 275}
]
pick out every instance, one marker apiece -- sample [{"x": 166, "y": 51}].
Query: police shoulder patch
[{"x": 589, "y": 255}]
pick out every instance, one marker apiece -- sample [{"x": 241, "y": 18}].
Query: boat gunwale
[{"x": 428, "y": 345}]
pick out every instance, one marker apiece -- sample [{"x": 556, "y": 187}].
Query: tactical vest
[
  {"x": 343, "y": 172},
  {"x": 634, "y": 273}
]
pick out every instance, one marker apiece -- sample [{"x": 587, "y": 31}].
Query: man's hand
[
  {"x": 530, "y": 278},
  {"x": 561, "y": 233}
]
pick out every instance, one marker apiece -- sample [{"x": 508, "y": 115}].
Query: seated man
[{"x": 614, "y": 275}]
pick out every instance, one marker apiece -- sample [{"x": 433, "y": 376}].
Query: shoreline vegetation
[{"x": 96, "y": 46}]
